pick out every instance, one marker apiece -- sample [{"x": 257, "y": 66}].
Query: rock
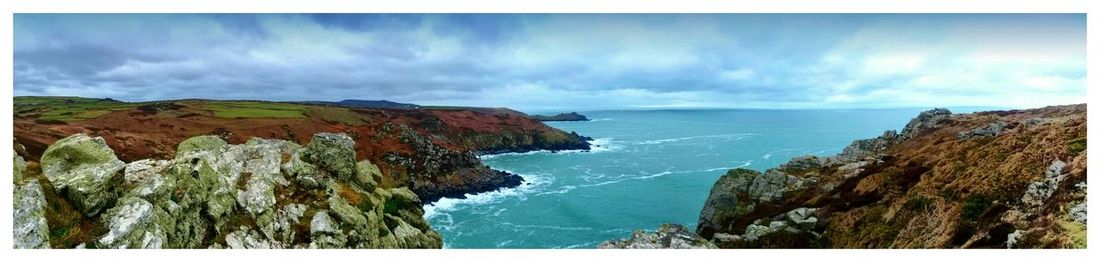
[
  {"x": 926, "y": 120},
  {"x": 141, "y": 170},
  {"x": 802, "y": 163},
  {"x": 324, "y": 233},
  {"x": 989, "y": 130},
  {"x": 258, "y": 196},
  {"x": 668, "y": 236},
  {"x": 200, "y": 143},
  {"x": 245, "y": 238},
  {"x": 333, "y": 153},
  {"x": 865, "y": 148},
  {"x": 131, "y": 225},
  {"x": 367, "y": 175},
  {"x": 802, "y": 218},
  {"x": 739, "y": 191},
  {"x": 86, "y": 169},
  {"x": 18, "y": 166},
  {"x": 29, "y": 222},
  {"x": 1039, "y": 191},
  {"x": 1079, "y": 213}
]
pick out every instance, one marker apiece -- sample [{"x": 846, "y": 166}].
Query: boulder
[
  {"x": 86, "y": 169},
  {"x": 668, "y": 236},
  {"x": 324, "y": 232},
  {"x": 1039, "y": 191},
  {"x": 989, "y": 130},
  {"x": 367, "y": 175},
  {"x": 200, "y": 143},
  {"x": 739, "y": 191},
  {"x": 29, "y": 222},
  {"x": 332, "y": 153},
  {"x": 18, "y": 166},
  {"x": 131, "y": 224}
]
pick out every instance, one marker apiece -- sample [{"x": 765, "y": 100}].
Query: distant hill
[
  {"x": 572, "y": 116},
  {"x": 367, "y": 104}
]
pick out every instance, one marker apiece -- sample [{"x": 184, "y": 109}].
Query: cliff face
[
  {"x": 1000, "y": 179},
  {"x": 430, "y": 150},
  {"x": 265, "y": 193}
]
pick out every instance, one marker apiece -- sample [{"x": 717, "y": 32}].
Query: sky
[{"x": 561, "y": 61}]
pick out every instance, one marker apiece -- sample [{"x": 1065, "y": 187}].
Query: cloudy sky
[{"x": 535, "y": 62}]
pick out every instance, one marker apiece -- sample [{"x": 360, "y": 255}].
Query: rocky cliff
[
  {"x": 433, "y": 151},
  {"x": 264, "y": 193},
  {"x": 1001, "y": 179}
]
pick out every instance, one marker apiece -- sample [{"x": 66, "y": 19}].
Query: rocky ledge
[
  {"x": 265, "y": 193},
  {"x": 1002, "y": 179}
]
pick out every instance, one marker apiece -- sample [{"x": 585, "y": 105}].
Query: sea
[{"x": 646, "y": 168}]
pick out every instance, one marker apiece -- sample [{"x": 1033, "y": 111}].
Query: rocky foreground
[
  {"x": 1002, "y": 179},
  {"x": 431, "y": 150},
  {"x": 265, "y": 193}
]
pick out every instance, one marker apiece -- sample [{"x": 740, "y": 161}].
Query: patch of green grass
[
  {"x": 917, "y": 203},
  {"x": 67, "y": 108},
  {"x": 973, "y": 207},
  {"x": 336, "y": 115},
  {"x": 250, "y": 109},
  {"x": 1076, "y": 146}
]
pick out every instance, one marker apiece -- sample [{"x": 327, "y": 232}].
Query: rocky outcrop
[
  {"x": 85, "y": 169},
  {"x": 29, "y": 228},
  {"x": 990, "y": 130},
  {"x": 668, "y": 236},
  {"x": 265, "y": 193},
  {"x": 1022, "y": 185}
]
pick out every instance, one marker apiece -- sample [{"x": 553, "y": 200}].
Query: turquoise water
[{"x": 651, "y": 167}]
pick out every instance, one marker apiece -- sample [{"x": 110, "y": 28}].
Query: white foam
[
  {"x": 530, "y": 184},
  {"x": 738, "y": 136}
]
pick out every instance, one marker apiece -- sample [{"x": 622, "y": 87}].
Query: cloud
[{"x": 561, "y": 61}]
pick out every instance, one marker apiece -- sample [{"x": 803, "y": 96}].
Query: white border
[{"x": 518, "y": 6}]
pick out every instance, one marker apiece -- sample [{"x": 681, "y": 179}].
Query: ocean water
[{"x": 649, "y": 167}]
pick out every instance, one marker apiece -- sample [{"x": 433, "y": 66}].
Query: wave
[
  {"x": 601, "y": 119},
  {"x": 738, "y": 136},
  {"x": 531, "y": 183}
]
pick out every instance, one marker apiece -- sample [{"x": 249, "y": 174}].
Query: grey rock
[
  {"x": 29, "y": 222},
  {"x": 1039, "y": 191},
  {"x": 131, "y": 225},
  {"x": 668, "y": 236},
  {"x": 739, "y": 191},
  {"x": 86, "y": 169},
  {"x": 18, "y": 166},
  {"x": 924, "y": 121},
  {"x": 200, "y": 143},
  {"x": 333, "y": 153},
  {"x": 989, "y": 130},
  {"x": 325, "y": 233},
  {"x": 802, "y": 218}
]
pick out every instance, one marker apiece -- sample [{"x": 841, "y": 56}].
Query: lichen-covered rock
[
  {"x": 1039, "y": 191},
  {"x": 238, "y": 196},
  {"x": 29, "y": 222},
  {"x": 18, "y": 166},
  {"x": 86, "y": 169},
  {"x": 739, "y": 191},
  {"x": 245, "y": 238},
  {"x": 258, "y": 196},
  {"x": 668, "y": 236},
  {"x": 333, "y": 153},
  {"x": 924, "y": 121},
  {"x": 131, "y": 224},
  {"x": 200, "y": 143},
  {"x": 324, "y": 232},
  {"x": 367, "y": 175}
]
